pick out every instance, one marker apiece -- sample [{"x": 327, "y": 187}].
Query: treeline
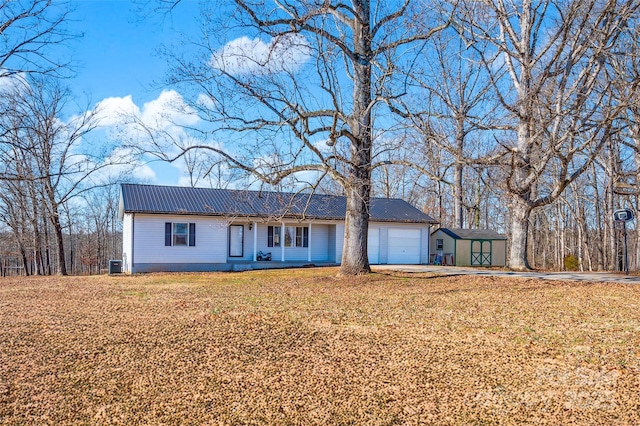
[
  {"x": 521, "y": 117},
  {"x": 577, "y": 231},
  {"x": 91, "y": 234},
  {"x": 58, "y": 193},
  {"x": 58, "y": 199}
]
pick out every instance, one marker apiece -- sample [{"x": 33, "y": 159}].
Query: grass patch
[{"x": 305, "y": 347}]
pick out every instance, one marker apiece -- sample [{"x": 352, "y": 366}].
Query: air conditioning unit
[{"x": 115, "y": 267}]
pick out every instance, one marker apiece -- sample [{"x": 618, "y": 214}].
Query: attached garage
[
  {"x": 468, "y": 247},
  {"x": 404, "y": 246}
]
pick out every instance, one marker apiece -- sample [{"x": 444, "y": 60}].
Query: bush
[{"x": 571, "y": 263}]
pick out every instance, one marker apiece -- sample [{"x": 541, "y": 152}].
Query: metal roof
[
  {"x": 472, "y": 234},
  {"x": 135, "y": 198}
]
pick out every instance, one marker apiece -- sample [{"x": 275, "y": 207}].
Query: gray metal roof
[
  {"x": 472, "y": 234},
  {"x": 155, "y": 199}
]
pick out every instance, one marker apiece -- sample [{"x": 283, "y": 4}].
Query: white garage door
[
  {"x": 404, "y": 246},
  {"x": 373, "y": 246}
]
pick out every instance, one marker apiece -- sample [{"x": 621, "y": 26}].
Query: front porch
[
  {"x": 286, "y": 243},
  {"x": 246, "y": 265}
]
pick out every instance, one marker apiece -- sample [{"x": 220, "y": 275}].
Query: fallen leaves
[{"x": 305, "y": 347}]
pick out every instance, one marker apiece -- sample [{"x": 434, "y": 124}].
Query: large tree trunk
[
  {"x": 600, "y": 236},
  {"x": 358, "y": 189},
  {"x": 354, "y": 254},
  {"x": 520, "y": 212},
  {"x": 457, "y": 195},
  {"x": 457, "y": 174},
  {"x": 57, "y": 230}
]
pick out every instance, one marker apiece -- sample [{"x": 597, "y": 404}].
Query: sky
[
  {"x": 117, "y": 64},
  {"x": 119, "y": 68}
]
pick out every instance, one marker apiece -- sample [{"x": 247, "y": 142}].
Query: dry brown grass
[{"x": 304, "y": 347}]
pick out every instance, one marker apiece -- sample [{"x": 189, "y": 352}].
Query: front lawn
[{"x": 304, "y": 347}]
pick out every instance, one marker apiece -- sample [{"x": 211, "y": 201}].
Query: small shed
[{"x": 468, "y": 247}]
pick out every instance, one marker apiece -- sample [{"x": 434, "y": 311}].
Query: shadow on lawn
[{"x": 414, "y": 276}]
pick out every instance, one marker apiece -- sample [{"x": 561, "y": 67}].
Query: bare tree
[
  {"x": 547, "y": 69},
  {"x": 302, "y": 91},
  {"x": 451, "y": 108},
  {"x": 28, "y": 29},
  {"x": 51, "y": 154}
]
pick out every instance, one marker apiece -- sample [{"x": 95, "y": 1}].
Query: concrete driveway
[{"x": 608, "y": 277}]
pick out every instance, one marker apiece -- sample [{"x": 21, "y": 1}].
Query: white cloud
[
  {"x": 124, "y": 158},
  {"x": 157, "y": 126},
  {"x": 14, "y": 81},
  {"x": 167, "y": 110},
  {"x": 205, "y": 101},
  {"x": 243, "y": 55},
  {"x": 323, "y": 146},
  {"x": 114, "y": 111}
]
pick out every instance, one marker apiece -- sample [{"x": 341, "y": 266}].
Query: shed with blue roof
[{"x": 468, "y": 247}]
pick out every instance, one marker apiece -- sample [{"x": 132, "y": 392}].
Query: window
[
  {"x": 179, "y": 234},
  {"x": 289, "y": 236},
  {"x": 296, "y": 236},
  {"x": 439, "y": 244},
  {"x": 302, "y": 236},
  {"x": 273, "y": 236}
]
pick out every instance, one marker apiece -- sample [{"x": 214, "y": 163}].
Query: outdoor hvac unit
[{"x": 115, "y": 267}]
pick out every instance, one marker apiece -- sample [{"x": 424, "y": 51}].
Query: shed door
[
  {"x": 404, "y": 246},
  {"x": 480, "y": 253},
  {"x": 373, "y": 246}
]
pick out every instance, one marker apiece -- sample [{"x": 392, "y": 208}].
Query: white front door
[
  {"x": 404, "y": 246},
  {"x": 236, "y": 237}
]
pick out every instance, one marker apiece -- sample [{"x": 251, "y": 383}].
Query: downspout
[
  {"x": 455, "y": 252},
  {"x": 282, "y": 231},
  {"x": 133, "y": 227},
  {"x": 255, "y": 241}
]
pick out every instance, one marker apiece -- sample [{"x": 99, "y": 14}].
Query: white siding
[
  {"x": 339, "y": 241},
  {"x": 143, "y": 241},
  {"x": 384, "y": 240},
  {"x": 320, "y": 243},
  {"x": 211, "y": 240},
  {"x": 332, "y": 243},
  {"x": 424, "y": 256},
  {"x": 263, "y": 235},
  {"x": 127, "y": 229},
  {"x": 373, "y": 245}
]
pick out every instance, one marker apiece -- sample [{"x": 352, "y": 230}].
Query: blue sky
[
  {"x": 119, "y": 70},
  {"x": 117, "y": 57},
  {"x": 117, "y": 54}
]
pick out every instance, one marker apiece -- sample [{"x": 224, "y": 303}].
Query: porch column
[
  {"x": 309, "y": 241},
  {"x": 282, "y": 241},
  {"x": 255, "y": 241}
]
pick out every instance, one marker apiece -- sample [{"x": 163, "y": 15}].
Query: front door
[
  {"x": 480, "y": 253},
  {"x": 236, "y": 237}
]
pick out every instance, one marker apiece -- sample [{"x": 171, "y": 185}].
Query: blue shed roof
[{"x": 472, "y": 234}]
